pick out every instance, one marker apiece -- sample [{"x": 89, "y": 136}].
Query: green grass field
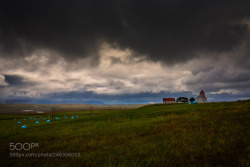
[{"x": 211, "y": 134}]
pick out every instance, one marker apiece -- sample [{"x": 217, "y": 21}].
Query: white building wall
[{"x": 201, "y": 100}]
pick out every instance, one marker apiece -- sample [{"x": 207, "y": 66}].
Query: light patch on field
[{"x": 27, "y": 110}]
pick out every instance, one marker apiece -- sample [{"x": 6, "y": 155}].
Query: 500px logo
[{"x": 23, "y": 146}]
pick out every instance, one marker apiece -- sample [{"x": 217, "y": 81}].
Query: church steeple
[{"x": 202, "y": 92}]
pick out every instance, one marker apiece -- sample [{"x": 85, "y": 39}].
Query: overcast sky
[{"x": 123, "y": 51}]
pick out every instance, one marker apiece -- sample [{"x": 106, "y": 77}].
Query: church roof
[{"x": 202, "y": 94}]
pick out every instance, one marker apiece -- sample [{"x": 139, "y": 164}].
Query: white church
[{"x": 201, "y": 98}]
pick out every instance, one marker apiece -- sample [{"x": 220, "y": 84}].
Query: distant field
[
  {"x": 211, "y": 134},
  {"x": 38, "y": 108}
]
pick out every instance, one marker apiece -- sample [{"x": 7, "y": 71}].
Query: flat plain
[{"x": 209, "y": 134}]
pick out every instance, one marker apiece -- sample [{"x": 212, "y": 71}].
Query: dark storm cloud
[
  {"x": 170, "y": 31},
  {"x": 14, "y": 80},
  {"x": 16, "y": 84},
  {"x": 18, "y": 81}
]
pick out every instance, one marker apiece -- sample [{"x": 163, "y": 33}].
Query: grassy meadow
[{"x": 211, "y": 134}]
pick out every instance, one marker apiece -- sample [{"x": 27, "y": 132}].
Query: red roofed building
[
  {"x": 201, "y": 98},
  {"x": 168, "y": 100}
]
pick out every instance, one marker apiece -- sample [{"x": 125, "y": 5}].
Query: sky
[{"x": 123, "y": 51}]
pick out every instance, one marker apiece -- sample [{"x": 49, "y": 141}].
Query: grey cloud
[
  {"x": 134, "y": 81},
  {"x": 203, "y": 69},
  {"x": 168, "y": 31},
  {"x": 223, "y": 76},
  {"x": 116, "y": 84}
]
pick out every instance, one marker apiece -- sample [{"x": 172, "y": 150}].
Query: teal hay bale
[
  {"x": 34, "y": 118},
  {"x": 24, "y": 119},
  {"x": 19, "y": 122},
  {"x": 77, "y": 116},
  {"x": 194, "y": 102},
  {"x": 24, "y": 126},
  {"x": 72, "y": 117},
  {"x": 48, "y": 116},
  {"x": 30, "y": 117},
  {"x": 44, "y": 118},
  {"x": 189, "y": 103},
  {"x": 65, "y": 117},
  {"x": 57, "y": 118},
  {"x": 37, "y": 122},
  {"x": 48, "y": 120}
]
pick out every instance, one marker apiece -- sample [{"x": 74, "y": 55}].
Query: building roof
[
  {"x": 202, "y": 94},
  {"x": 169, "y": 99}
]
